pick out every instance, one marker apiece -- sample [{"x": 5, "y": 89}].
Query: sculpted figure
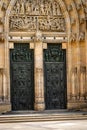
[
  {"x": 41, "y": 24},
  {"x": 36, "y": 9},
  {"x": 38, "y": 36},
  {"x": 73, "y": 37},
  {"x": 58, "y": 11},
  {"x": 17, "y": 7},
  {"x": 49, "y": 8},
  {"x": 82, "y": 36},
  {"x": 54, "y": 8},
  {"x": 46, "y": 8},
  {"x": 42, "y": 9},
  {"x": 28, "y": 7},
  {"x": 22, "y": 9}
]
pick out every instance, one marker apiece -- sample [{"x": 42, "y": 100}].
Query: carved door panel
[
  {"x": 22, "y": 78},
  {"x": 55, "y": 77}
]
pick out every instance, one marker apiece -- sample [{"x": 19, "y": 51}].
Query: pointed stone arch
[{"x": 6, "y": 30}]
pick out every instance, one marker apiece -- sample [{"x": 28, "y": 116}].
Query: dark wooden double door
[{"x": 22, "y": 77}]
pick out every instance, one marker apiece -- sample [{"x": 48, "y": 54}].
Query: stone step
[{"x": 12, "y": 118}]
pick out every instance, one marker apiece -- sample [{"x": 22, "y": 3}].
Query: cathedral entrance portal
[
  {"x": 55, "y": 77},
  {"x": 22, "y": 78}
]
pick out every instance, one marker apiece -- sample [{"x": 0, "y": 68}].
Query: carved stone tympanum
[{"x": 29, "y": 15}]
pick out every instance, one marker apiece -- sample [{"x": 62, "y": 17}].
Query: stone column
[
  {"x": 82, "y": 82},
  {"x": 39, "y": 78},
  {"x": 86, "y": 57},
  {"x": 1, "y": 85},
  {"x": 74, "y": 83},
  {"x": 78, "y": 70},
  {"x": 69, "y": 66}
]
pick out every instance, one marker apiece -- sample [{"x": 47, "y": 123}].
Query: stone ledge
[{"x": 77, "y": 105}]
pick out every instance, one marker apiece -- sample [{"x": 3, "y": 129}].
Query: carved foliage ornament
[{"x": 44, "y": 15}]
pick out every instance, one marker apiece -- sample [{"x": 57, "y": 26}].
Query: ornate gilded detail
[{"x": 42, "y": 15}]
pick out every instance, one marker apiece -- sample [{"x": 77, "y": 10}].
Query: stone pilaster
[
  {"x": 82, "y": 82},
  {"x": 1, "y": 85},
  {"x": 86, "y": 58},
  {"x": 78, "y": 70},
  {"x": 39, "y": 80},
  {"x": 69, "y": 66},
  {"x": 74, "y": 83}
]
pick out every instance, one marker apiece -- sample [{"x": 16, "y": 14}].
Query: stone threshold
[{"x": 48, "y": 115}]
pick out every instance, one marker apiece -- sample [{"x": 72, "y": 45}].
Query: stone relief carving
[
  {"x": 32, "y": 15},
  {"x": 4, "y": 6},
  {"x": 38, "y": 36},
  {"x": 22, "y": 23},
  {"x": 70, "y": 7},
  {"x": 82, "y": 20},
  {"x": 51, "y": 23},
  {"x": 84, "y": 2},
  {"x": 73, "y": 37},
  {"x": 1, "y": 20},
  {"x": 78, "y": 6},
  {"x": 2, "y": 37},
  {"x": 43, "y": 7},
  {"x": 73, "y": 21},
  {"x": 30, "y": 23},
  {"x": 82, "y": 36}
]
